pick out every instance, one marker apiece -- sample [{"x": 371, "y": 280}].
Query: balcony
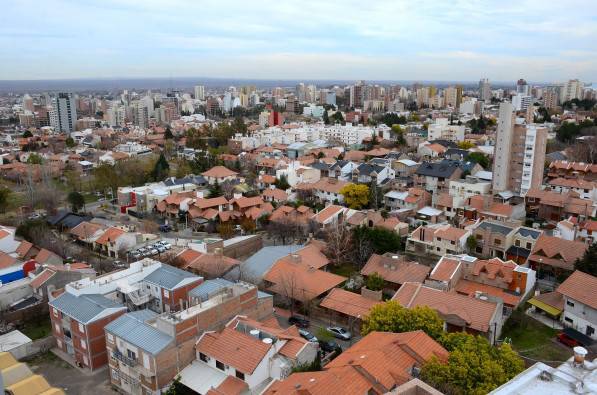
[{"x": 123, "y": 358}]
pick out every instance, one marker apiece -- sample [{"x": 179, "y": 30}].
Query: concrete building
[
  {"x": 442, "y": 130},
  {"x": 64, "y": 113},
  {"x": 199, "y": 92},
  {"x": 484, "y": 90},
  {"x": 580, "y": 305},
  {"x": 519, "y": 154}
]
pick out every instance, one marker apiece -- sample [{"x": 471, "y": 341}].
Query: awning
[{"x": 545, "y": 307}]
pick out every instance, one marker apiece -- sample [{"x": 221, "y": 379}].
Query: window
[
  {"x": 81, "y": 328},
  {"x": 110, "y": 338},
  {"x": 497, "y": 242},
  {"x": 529, "y": 245},
  {"x": 569, "y": 303},
  {"x": 131, "y": 354},
  {"x": 83, "y": 344},
  {"x": 568, "y": 320},
  {"x": 203, "y": 357},
  {"x": 240, "y": 375},
  {"x": 220, "y": 365},
  {"x": 55, "y": 312},
  {"x": 517, "y": 243}
]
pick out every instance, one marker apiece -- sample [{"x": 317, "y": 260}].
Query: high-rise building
[
  {"x": 519, "y": 153},
  {"x": 550, "y": 98},
  {"x": 357, "y": 94},
  {"x": 521, "y": 102},
  {"x": 571, "y": 90},
  {"x": 292, "y": 105},
  {"x": 522, "y": 87},
  {"x": 484, "y": 90},
  {"x": 330, "y": 98},
  {"x": 200, "y": 92},
  {"x": 27, "y": 103},
  {"x": 64, "y": 113},
  {"x": 450, "y": 97}
]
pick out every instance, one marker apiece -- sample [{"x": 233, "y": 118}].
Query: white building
[
  {"x": 63, "y": 114},
  {"x": 442, "y": 130},
  {"x": 199, "y": 92}
]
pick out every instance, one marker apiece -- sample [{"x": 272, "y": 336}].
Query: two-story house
[{"x": 580, "y": 303}]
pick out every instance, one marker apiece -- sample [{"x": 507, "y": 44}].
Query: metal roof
[
  {"x": 168, "y": 277},
  {"x": 83, "y": 308},
  {"x": 209, "y": 287},
  {"x": 526, "y": 232},
  {"x": 259, "y": 263},
  {"x": 134, "y": 329},
  {"x": 444, "y": 169},
  {"x": 496, "y": 227}
]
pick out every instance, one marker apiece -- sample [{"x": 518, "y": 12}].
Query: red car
[{"x": 567, "y": 340}]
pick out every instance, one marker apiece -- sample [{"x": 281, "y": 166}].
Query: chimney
[
  {"x": 295, "y": 257},
  {"x": 218, "y": 251},
  {"x": 579, "y": 356}
]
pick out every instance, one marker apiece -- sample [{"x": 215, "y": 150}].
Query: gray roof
[
  {"x": 496, "y": 228},
  {"x": 198, "y": 180},
  {"x": 443, "y": 169},
  {"x": 83, "y": 308},
  {"x": 259, "y": 263},
  {"x": 209, "y": 287},
  {"x": 133, "y": 328},
  {"x": 367, "y": 169},
  {"x": 526, "y": 232},
  {"x": 168, "y": 277}
]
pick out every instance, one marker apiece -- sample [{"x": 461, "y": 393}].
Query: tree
[
  {"x": 225, "y": 230},
  {"x": 392, "y": 317},
  {"x": 473, "y": 367},
  {"x": 381, "y": 240},
  {"x": 375, "y": 282},
  {"x": 248, "y": 225},
  {"x": 588, "y": 263},
  {"x": 398, "y": 134},
  {"x": 70, "y": 142},
  {"x": 338, "y": 118},
  {"x": 34, "y": 159},
  {"x": 76, "y": 200},
  {"x": 356, "y": 196},
  {"x": 465, "y": 145},
  {"x": 339, "y": 244},
  {"x": 471, "y": 243},
  {"x": 326, "y": 118},
  {"x": 215, "y": 190},
  {"x": 479, "y": 158},
  {"x": 161, "y": 169},
  {"x": 27, "y": 134},
  {"x": 168, "y": 134},
  {"x": 5, "y": 198},
  {"x": 282, "y": 182}
]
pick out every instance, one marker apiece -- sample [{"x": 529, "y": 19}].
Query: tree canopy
[
  {"x": 5, "y": 194},
  {"x": 282, "y": 182},
  {"x": 356, "y": 196},
  {"x": 161, "y": 169},
  {"x": 392, "y": 317},
  {"x": 479, "y": 158},
  {"x": 375, "y": 282},
  {"x": 588, "y": 263},
  {"x": 76, "y": 201},
  {"x": 381, "y": 240}
]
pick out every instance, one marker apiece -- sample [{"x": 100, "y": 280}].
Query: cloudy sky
[{"x": 286, "y": 39}]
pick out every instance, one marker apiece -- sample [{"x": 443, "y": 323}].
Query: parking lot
[{"x": 150, "y": 249}]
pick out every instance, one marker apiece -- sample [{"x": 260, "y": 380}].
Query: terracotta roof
[
  {"x": 355, "y": 155},
  {"x": 85, "y": 230},
  {"x": 187, "y": 256},
  {"x": 325, "y": 184},
  {"x": 44, "y": 255},
  {"x": 234, "y": 348},
  {"x": 110, "y": 235},
  {"x": 244, "y": 202},
  {"x": 24, "y": 248},
  {"x": 445, "y": 269},
  {"x": 211, "y": 265},
  {"x": 348, "y": 303},
  {"x": 276, "y": 194},
  {"x": 230, "y": 386},
  {"x": 328, "y": 212},
  {"x": 557, "y": 252},
  {"x": 41, "y": 278},
  {"x": 469, "y": 288},
  {"x": 451, "y": 233},
  {"x": 219, "y": 172},
  {"x": 211, "y": 202},
  {"x": 397, "y": 271},
  {"x": 581, "y": 287},
  {"x": 476, "y": 313},
  {"x": 553, "y": 299},
  {"x": 495, "y": 268},
  {"x": 311, "y": 255},
  {"x": 572, "y": 183},
  {"x": 267, "y": 179},
  {"x": 6, "y": 260}
]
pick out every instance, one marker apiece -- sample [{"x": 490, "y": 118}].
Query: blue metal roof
[
  {"x": 208, "y": 288},
  {"x": 526, "y": 232},
  {"x": 168, "y": 277},
  {"x": 133, "y": 328},
  {"x": 496, "y": 227},
  {"x": 83, "y": 308},
  {"x": 259, "y": 263}
]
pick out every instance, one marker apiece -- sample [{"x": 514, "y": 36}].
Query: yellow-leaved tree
[{"x": 356, "y": 196}]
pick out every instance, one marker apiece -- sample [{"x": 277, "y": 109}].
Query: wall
[
  {"x": 14, "y": 291},
  {"x": 581, "y": 315}
]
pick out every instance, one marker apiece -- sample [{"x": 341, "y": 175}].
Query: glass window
[{"x": 220, "y": 365}]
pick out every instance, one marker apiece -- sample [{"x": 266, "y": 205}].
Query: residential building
[
  {"x": 580, "y": 304},
  {"x": 441, "y": 129},
  {"x": 413, "y": 200},
  {"x": 437, "y": 239},
  {"x": 219, "y": 174},
  {"x": 395, "y": 270},
  {"x": 63, "y": 114},
  {"x": 552, "y": 256},
  {"x": 485, "y": 90},
  {"x": 519, "y": 154},
  {"x": 493, "y": 238},
  {"x": 377, "y": 364},
  {"x": 436, "y": 176}
]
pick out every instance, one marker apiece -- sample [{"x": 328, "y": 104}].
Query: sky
[{"x": 444, "y": 40}]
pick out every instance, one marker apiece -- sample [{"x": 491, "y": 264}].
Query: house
[
  {"x": 275, "y": 195},
  {"x": 330, "y": 216},
  {"x": 348, "y": 306},
  {"x": 289, "y": 215},
  {"x": 208, "y": 265},
  {"x": 553, "y": 206},
  {"x": 436, "y": 176},
  {"x": 247, "y": 355},
  {"x": 377, "y": 364},
  {"x": 48, "y": 278},
  {"x": 412, "y": 199},
  {"x": 493, "y": 238},
  {"x": 326, "y": 190},
  {"x": 395, "y": 270},
  {"x": 580, "y": 303},
  {"x": 524, "y": 240},
  {"x": 584, "y": 189},
  {"x": 553, "y": 256},
  {"x": 367, "y": 173},
  {"x": 475, "y": 315},
  {"x": 437, "y": 239},
  {"x": 572, "y": 170},
  {"x": 342, "y": 170},
  {"x": 479, "y": 207},
  {"x": 219, "y": 174}
]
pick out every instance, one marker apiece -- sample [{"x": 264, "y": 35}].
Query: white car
[
  {"x": 167, "y": 246},
  {"x": 153, "y": 252}
]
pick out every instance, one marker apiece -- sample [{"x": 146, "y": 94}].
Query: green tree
[
  {"x": 398, "y": 135},
  {"x": 34, "y": 159},
  {"x": 5, "y": 198},
  {"x": 375, "y": 282},
  {"x": 473, "y": 367},
  {"x": 168, "y": 133},
  {"x": 479, "y": 158},
  {"x": 70, "y": 142},
  {"x": 326, "y": 118},
  {"x": 282, "y": 182},
  {"x": 338, "y": 118},
  {"x": 588, "y": 263},
  {"x": 215, "y": 190},
  {"x": 392, "y": 317},
  {"x": 465, "y": 145},
  {"x": 471, "y": 243},
  {"x": 76, "y": 201},
  {"x": 381, "y": 240},
  {"x": 356, "y": 196},
  {"x": 27, "y": 134},
  {"x": 161, "y": 169}
]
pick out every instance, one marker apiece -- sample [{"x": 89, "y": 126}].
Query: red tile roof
[
  {"x": 219, "y": 172},
  {"x": 349, "y": 303},
  {"x": 581, "y": 287},
  {"x": 395, "y": 270}
]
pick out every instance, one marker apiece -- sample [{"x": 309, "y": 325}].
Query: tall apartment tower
[
  {"x": 200, "y": 92},
  {"x": 484, "y": 90},
  {"x": 357, "y": 94},
  {"x": 519, "y": 153},
  {"x": 64, "y": 113}
]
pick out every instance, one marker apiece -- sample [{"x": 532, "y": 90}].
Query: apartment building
[
  {"x": 519, "y": 153},
  {"x": 437, "y": 239},
  {"x": 148, "y": 350},
  {"x": 441, "y": 129}
]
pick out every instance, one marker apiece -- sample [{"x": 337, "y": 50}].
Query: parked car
[
  {"x": 119, "y": 264},
  {"x": 167, "y": 245},
  {"x": 165, "y": 228},
  {"x": 329, "y": 346},
  {"x": 339, "y": 332},
  {"x": 305, "y": 334},
  {"x": 160, "y": 248},
  {"x": 300, "y": 322},
  {"x": 154, "y": 251}
]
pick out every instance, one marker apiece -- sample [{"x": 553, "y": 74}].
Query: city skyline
[{"x": 383, "y": 41}]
